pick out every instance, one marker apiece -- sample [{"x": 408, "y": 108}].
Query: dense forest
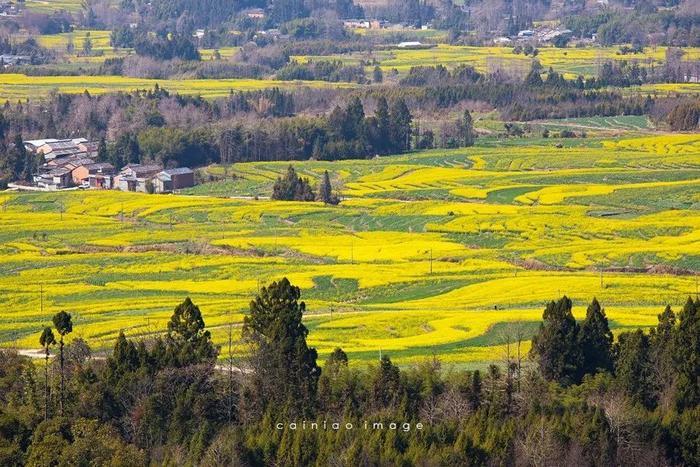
[{"x": 579, "y": 397}]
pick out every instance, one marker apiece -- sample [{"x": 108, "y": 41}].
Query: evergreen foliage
[
  {"x": 143, "y": 406},
  {"x": 292, "y": 188},
  {"x": 595, "y": 340},
  {"x": 556, "y": 346},
  {"x": 63, "y": 323},
  {"x": 687, "y": 355},
  {"x": 285, "y": 373},
  {"x": 187, "y": 341},
  {"x": 325, "y": 190}
]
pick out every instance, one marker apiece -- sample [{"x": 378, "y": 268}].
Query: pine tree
[
  {"x": 102, "y": 152},
  {"x": 633, "y": 367},
  {"x": 325, "y": 190},
  {"x": 353, "y": 125},
  {"x": 555, "y": 346},
  {"x": 383, "y": 119},
  {"x": 337, "y": 357},
  {"x": 386, "y": 387},
  {"x": 292, "y": 188},
  {"x": 285, "y": 373},
  {"x": 662, "y": 351},
  {"x": 687, "y": 355},
  {"x": 400, "y": 130},
  {"x": 533, "y": 78},
  {"x": 64, "y": 325},
  {"x": 467, "y": 129},
  {"x": 475, "y": 389},
  {"x": 187, "y": 341},
  {"x": 595, "y": 340},
  {"x": 17, "y": 159},
  {"x": 124, "y": 359},
  {"x": 46, "y": 340},
  {"x": 87, "y": 45},
  {"x": 377, "y": 74}
]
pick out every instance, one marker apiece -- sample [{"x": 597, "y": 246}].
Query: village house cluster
[
  {"x": 540, "y": 35},
  {"x": 71, "y": 163},
  {"x": 10, "y": 9}
]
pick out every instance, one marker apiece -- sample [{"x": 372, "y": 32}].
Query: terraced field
[
  {"x": 18, "y": 86},
  {"x": 435, "y": 253},
  {"x": 569, "y": 61},
  {"x": 49, "y": 6}
]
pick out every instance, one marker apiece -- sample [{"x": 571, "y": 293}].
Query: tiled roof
[{"x": 178, "y": 171}]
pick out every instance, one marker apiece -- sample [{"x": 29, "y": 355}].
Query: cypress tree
[
  {"x": 383, "y": 119},
  {"x": 533, "y": 78},
  {"x": 285, "y": 373},
  {"x": 46, "y": 340},
  {"x": 325, "y": 189},
  {"x": 467, "y": 129},
  {"x": 633, "y": 367},
  {"x": 337, "y": 357},
  {"x": 124, "y": 359},
  {"x": 400, "y": 130},
  {"x": 102, "y": 151},
  {"x": 687, "y": 355},
  {"x": 596, "y": 340},
  {"x": 187, "y": 342},
  {"x": 377, "y": 74},
  {"x": 475, "y": 389},
  {"x": 292, "y": 187},
  {"x": 662, "y": 351},
  {"x": 64, "y": 325},
  {"x": 386, "y": 387},
  {"x": 555, "y": 346}
]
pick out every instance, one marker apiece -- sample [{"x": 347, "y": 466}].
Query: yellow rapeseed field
[
  {"x": 441, "y": 252},
  {"x": 15, "y": 86},
  {"x": 569, "y": 61}
]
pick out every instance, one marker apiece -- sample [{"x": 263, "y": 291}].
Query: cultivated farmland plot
[
  {"x": 571, "y": 62},
  {"x": 434, "y": 253}
]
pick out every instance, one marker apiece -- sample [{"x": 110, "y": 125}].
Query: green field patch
[
  {"x": 378, "y": 326},
  {"x": 395, "y": 293},
  {"x": 645, "y": 199},
  {"x": 508, "y": 195},
  {"x": 367, "y": 222},
  {"x": 484, "y": 239},
  {"x": 329, "y": 287}
]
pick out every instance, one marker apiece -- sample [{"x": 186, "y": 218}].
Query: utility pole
[
  {"x": 41, "y": 298},
  {"x": 431, "y": 261},
  {"x": 230, "y": 368},
  {"x": 121, "y": 214},
  {"x": 171, "y": 220}
]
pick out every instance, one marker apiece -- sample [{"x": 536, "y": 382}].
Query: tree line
[
  {"x": 580, "y": 397},
  {"x": 293, "y": 187},
  {"x": 323, "y": 124}
]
